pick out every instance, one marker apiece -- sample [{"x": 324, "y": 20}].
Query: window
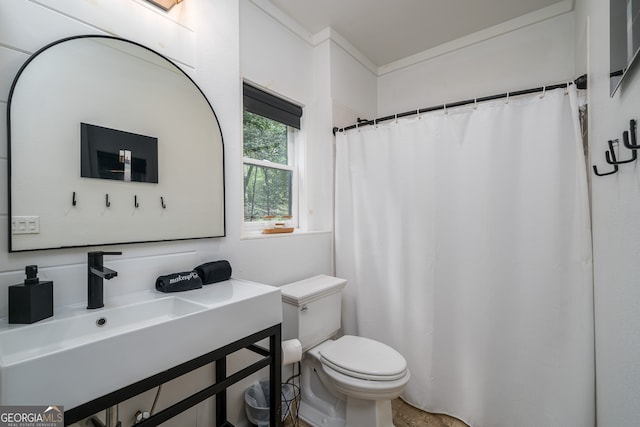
[{"x": 270, "y": 129}]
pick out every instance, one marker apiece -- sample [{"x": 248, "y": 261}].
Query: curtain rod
[{"x": 580, "y": 82}]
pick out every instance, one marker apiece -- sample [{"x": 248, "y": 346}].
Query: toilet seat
[
  {"x": 364, "y": 359},
  {"x": 366, "y": 389}
]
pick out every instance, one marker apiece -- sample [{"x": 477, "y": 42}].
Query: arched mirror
[{"x": 110, "y": 143}]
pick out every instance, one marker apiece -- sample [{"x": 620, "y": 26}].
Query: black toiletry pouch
[
  {"x": 214, "y": 271},
  {"x": 177, "y": 282}
]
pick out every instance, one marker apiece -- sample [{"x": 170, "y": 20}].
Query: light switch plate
[{"x": 25, "y": 224}]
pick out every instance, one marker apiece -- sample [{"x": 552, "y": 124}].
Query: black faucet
[{"x": 96, "y": 272}]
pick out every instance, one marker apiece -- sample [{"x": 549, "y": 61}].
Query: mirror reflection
[
  {"x": 110, "y": 143},
  {"x": 624, "y": 39}
]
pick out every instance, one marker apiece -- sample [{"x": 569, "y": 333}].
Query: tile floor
[{"x": 405, "y": 415}]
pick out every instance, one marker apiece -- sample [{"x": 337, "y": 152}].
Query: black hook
[
  {"x": 162, "y": 203},
  {"x": 107, "y": 202},
  {"x": 595, "y": 170},
  {"x": 73, "y": 200},
  {"x": 135, "y": 201},
  {"x": 615, "y": 166},
  {"x": 611, "y": 155},
  {"x": 625, "y": 136}
]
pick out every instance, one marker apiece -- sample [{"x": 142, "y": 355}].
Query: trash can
[{"x": 256, "y": 399}]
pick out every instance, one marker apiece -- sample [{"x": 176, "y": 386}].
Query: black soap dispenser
[{"x": 32, "y": 300}]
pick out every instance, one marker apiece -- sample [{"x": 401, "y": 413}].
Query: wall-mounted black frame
[{"x": 77, "y": 199}]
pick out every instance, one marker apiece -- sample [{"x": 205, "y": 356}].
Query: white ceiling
[{"x": 388, "y": 30}]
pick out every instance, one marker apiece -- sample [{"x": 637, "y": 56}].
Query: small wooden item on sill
[
  {"x": 277, "y": 227},
  {"x": 277, "y": 230}
]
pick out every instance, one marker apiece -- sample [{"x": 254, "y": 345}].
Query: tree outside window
[{"x": 268, "y": 168}]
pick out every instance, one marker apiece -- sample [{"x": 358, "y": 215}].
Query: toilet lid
[{"x": 364, "y": 358}]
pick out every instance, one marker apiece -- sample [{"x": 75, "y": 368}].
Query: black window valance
[{"x": 265, "y": 104}]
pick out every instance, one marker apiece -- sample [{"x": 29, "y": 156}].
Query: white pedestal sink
[{"x": 79, "y": 354}]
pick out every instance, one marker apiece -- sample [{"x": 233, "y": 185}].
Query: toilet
[{"x": 346, "y": 381}]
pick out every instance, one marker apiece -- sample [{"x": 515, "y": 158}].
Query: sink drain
[{"x": 101, "y": 321}]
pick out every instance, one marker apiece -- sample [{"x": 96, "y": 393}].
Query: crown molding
[
  {"x": 276, "y": 13},
  {"x": 331, "y": 34},
  {"x": 531, "y": 18}
]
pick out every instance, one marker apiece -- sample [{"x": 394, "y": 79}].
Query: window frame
[{"x": 294, "y": 140}]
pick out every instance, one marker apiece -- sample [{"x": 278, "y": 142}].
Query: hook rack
[
  {"x": 610, "y": 154},
  {"x": 107, "y": 202}
]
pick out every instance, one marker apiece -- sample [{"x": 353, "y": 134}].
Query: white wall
[
  {"x": 203, "y": 37},
  {"x": 532, "y": 56},
  {"x": 353, "y": 87},
  {"x": 343, "y": 88},
  {"x": 616, "y": 238},
  {"x": 274, "y": 57},
  {"x": 280, "y": 60}
]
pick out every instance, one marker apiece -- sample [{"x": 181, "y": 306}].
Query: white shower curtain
[{"x": 465, "y": 239}]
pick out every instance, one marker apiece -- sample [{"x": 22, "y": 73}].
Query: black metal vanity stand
[{"x": 272, "y": 357}]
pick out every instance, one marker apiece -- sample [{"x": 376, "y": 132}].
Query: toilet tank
[{"x": 312, "y": 309}]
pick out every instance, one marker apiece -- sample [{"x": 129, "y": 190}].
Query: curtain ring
[
  {"x": 475, "y": 103},
  {"x": 507, "y": 101},
  {"x": 396, "y": 118},
  {"x": 566, "y": 88},
  {"x": 418, "y": 113},
  {"x": 544, "y": 91},
  {"x": 444, "y": 107},
  {"x": 375, "y": 123}
]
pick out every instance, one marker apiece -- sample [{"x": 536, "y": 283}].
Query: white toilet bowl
[{"x": 356, "y": 380}]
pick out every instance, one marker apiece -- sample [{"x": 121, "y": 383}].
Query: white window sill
[{"x": 296, "y": 232}]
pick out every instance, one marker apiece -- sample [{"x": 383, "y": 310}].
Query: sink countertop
[
  {"x": 44, "y": 363},
  {"x": 210, "y": 295}
]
